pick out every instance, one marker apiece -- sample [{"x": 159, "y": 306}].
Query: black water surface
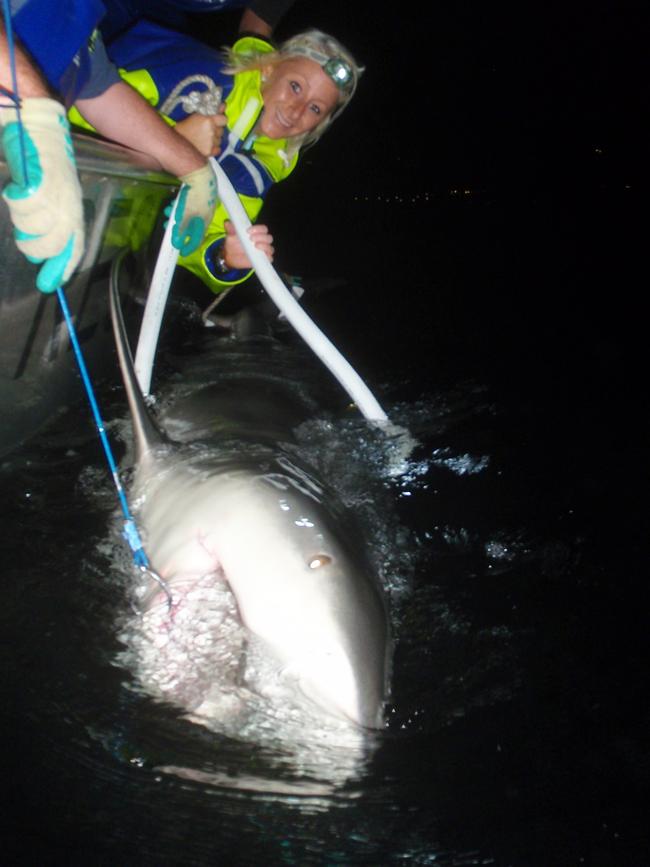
[{"x": 517, "y": 730}]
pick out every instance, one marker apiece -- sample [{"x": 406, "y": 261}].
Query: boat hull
[{"x": 124, "y": 193}]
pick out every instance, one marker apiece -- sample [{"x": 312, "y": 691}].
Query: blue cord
[{"x": 130, "y": 531}]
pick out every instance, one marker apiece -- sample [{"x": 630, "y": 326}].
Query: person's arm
[
  {"x": 125, "y": 117},
  {"x": 250, "y": 22},
  {"x": 30, "y": 81},
  {"x": 44, "y": 195},
  {"x": 261, "y": 17},
  {"x": 122, "y": 115}
]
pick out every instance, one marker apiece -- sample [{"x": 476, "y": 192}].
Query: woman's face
[{"x": 297, "y": 95}]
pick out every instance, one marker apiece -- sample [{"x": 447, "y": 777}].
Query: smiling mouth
[{"x": 282, "y": 120}]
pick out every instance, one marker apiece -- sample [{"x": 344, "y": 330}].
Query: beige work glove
[
  {"x": 195, "y": 208},
  {"x": 46, "y": 206}
]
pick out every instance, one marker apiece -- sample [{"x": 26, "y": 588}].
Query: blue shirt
[{"x": 61, "y": 37}]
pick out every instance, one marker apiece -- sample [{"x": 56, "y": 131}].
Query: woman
[{"x": 277, "y": 101}]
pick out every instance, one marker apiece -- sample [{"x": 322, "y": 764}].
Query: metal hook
[{"x": 156, "y": 577}]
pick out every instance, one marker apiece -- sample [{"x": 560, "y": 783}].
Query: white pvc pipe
[
  {"x": 284, "y": 300},
  {"x": 155, "y": 306},
  {"x": 281, "y": 296}
]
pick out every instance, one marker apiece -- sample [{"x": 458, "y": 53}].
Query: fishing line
[{"x": 130, "y": 531}]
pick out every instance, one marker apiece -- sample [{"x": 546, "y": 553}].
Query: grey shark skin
[{"x": 260, "y": 522}]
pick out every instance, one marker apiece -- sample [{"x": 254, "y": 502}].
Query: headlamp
[{"x": 339, "y": 71}]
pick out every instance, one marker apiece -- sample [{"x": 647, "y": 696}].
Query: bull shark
[{"x": 244, "y": 511}]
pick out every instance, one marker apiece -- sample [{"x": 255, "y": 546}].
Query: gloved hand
[
  {"x": 195, "y": 208},
  {"x": 45, "y": 207}
]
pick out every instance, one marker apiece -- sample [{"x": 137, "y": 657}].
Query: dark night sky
[
  {"x": 482, "y": 94},
  {"x": 536, "y": 110}
]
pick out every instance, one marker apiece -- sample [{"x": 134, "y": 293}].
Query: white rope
[{"x": 196, "y": 101}]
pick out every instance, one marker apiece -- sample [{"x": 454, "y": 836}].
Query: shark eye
[{"x": 319, "y": 560}]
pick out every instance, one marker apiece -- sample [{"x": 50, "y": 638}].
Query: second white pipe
[{"x": 284, "y": 300}]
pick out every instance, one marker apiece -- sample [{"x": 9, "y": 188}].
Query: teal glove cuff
[{"x": 195, "y": 208}]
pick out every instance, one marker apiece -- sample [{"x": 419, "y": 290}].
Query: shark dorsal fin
[{"x": 147, "y": 434}]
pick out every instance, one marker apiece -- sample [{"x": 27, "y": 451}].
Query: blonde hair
[{"x": 314, "y": 45}]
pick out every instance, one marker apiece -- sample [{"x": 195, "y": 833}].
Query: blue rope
[{"x": 130, "y": 531}]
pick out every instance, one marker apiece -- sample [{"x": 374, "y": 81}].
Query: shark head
[
  {"x": 301, "y": 587},
  {"x": 304, "y": 590}
]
